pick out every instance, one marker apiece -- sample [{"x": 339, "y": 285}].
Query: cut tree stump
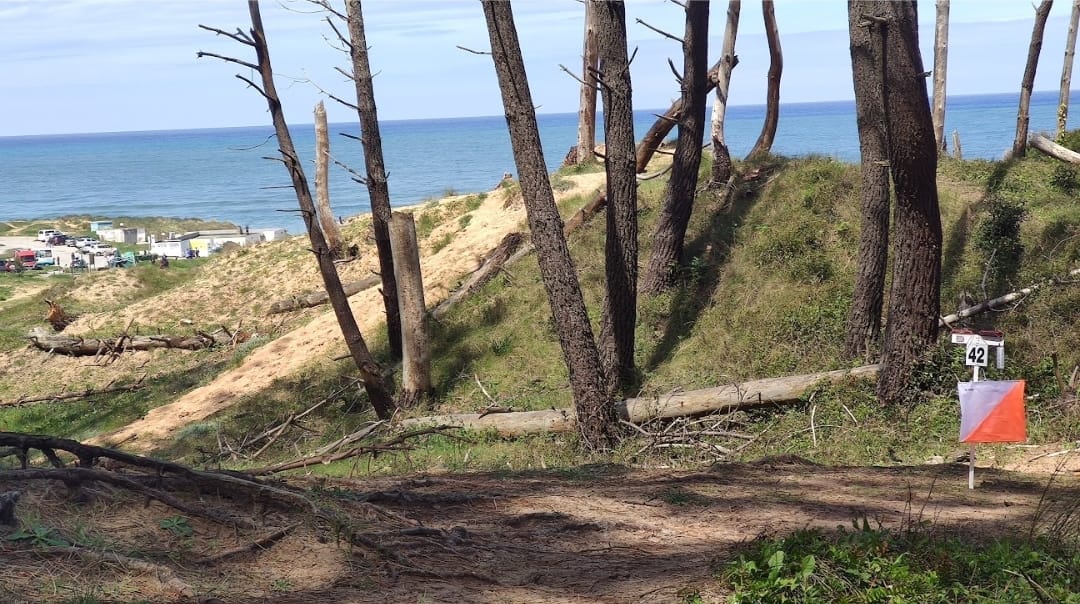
[{"x": 722, "y": 399}]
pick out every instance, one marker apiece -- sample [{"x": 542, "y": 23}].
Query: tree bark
[
  {"x": 377, "y": 185},
  {"x": 619, "y": 315},
  {"x": 370, "y": 371},
  {"x": 914, "y": 297},
  {"x": 867, "y": 67},
  {"x": 721, "y": 168},
  {"x": 654, "y": 136},
  {"x": 1042, "y": 12},
  {"x": 1066, "y": 70},
  {"x": 322, "y": 184},
  {"x": 941, "y": 62},
  {"x": 763, "y": 146},
  {"x": 679, "y": 196},
  {"x": 1054, "y": 150},
  {"x": 595, "y": 410},
  {"x": 722, "y": 399},
  {"x": 416, "y": 355},
  {"x": 586, "y": 144}
]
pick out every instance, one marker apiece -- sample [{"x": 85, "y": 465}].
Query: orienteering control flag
[{"x": 992, "y": 412}]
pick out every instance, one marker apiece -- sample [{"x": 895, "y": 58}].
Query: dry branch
[
  {"x": 1000, "y": 301},
  {"x": 493, "y": 263},
  {"x": 77, "y": 346},
  {"x": 722, "y": 399},
  {"x": 394, "y": 444},
  {"x": 63, "y": 396}
]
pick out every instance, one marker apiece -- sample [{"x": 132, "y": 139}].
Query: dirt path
[
  {"x": 605, "y": 534},
  {"x": 320, "y": 339}
]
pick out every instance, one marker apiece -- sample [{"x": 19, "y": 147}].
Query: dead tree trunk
[
  {"x": 308, "y": 300},
  {"x": 1066, "y": 70},
  {"x": 1023, "y": 117},
  {"x": 1054, "y": 150},
  {"x": 595, "y": 410},
  {"x": 619, "y": 316},
  {"x": 77, "y": 347},
  {"x": 721, "y": 168},
  {"x": 679, "y": 196},
  {"x": 914, "y": 297},
  {"x": 941, "y": 61},
  {"x": 868, "y": 36},
  {"x": 322, "y": 184},
  {"x": 763, "y": 146},
  {"x": 416, "y": 354},
  {"x": 586, "y": 143},
  {"x": 377, "y": 185},
  {"x": 370, "y": 371}
]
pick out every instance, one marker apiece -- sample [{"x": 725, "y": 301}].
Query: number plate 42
[{"x": 977, "y": 352}]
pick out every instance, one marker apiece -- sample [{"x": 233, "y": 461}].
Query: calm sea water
[{"x": 221, "y": 174}]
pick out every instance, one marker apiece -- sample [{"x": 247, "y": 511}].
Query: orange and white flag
[{"x": 992, "y": 412}]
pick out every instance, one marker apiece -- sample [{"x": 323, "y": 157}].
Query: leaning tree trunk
[
  {"x": 772, "y": 97},
  {"x": 416, "y": 354},
  {"x": 377, "y": 186},
  {"x": 914, "y": 297},
  {"x": 941, "y": 61},
  {"x": 586, "y": 144},
  {"x": 721, "y": 168},
  {"x": 868, "y": 66},
  {"x": 1066, "y": 70},
  {"x": 619, "y": 317},
  {"x": 595, "y": 410},
  {"x": 1019, "y": 148},
  {"x": 654, "y": 136},
  {"x": 370, "y": 371},
  {"x": 679, "y": 195},
  {"x": 322, "y": 185}
]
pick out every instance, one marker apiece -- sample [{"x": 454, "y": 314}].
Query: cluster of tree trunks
[
  {"x": 722, "y": 399},
  {"x": 76, "y": 346}
]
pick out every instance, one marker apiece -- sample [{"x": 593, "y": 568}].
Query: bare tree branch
[
  {"x": 239, "y": 36},
  {"x": 661, "y": 32},
  {"x": 475, "y": 52},
  {"x": 678, "y": 77},
  {"x": 214, "y": 55}
]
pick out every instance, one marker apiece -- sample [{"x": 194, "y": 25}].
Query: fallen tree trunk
[
  {"x": 63, "y": 396},
  {"x": 76, "y": 346},
  {"x": 320, "y": 297},
  {"x": 1053, "y": 149},
  {"x": 493, "y": 263},
  {"x": 722, "y": 399},
  {"x": 996, "y": 302}
]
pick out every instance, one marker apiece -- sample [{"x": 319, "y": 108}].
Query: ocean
[{"x": 222, "y": 174}]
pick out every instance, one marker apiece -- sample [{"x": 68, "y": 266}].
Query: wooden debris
[
  {"x": 77, "y": 346},
  {"x": 320, "y": 297}
]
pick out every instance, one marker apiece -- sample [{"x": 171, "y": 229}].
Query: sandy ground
[
  {"x": 605, "y": 534},
  {"x": 320, "y": 340}
]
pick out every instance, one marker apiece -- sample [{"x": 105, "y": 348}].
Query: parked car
[
  {"x": 44, "y": 234},
  {"x": 44, "y": 258},
  {"x": 99, "y": 249},
  {"x": 59, "y": 239},
  {"x": 27, "y": 258},
  {"x": 6, "y": 266},
  {"x": 82, "y": 242},
  {"x": 71, "y": 241}
]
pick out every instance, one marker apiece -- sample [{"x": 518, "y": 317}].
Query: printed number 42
[{"x": 976, "y": 355}]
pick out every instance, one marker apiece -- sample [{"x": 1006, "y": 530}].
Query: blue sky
[{"x": 118, "y": 65}]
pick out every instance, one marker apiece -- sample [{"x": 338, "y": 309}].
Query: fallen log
[
  {"x": 63, "y": 396},
  {"x": 320, "y": 297},
  {"x": 493, "y": 263},
  {"x": 999, "y": 301},
  {"x": 77, "y": 346},
  {"x": 1053, "y": 149},
  {"x": 721, "y": 399}
]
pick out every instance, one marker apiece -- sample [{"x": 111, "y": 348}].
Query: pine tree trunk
[
  {"x": 941, "y": 62},
  {"x": 867, "y": 66},
  {"x": 377, "y": 186},
  {"x": 415, "y": 353},
  {"x": 595, "y": 410},
  {"x": 1023, "y": 116},
  {"x": 587, "y": 111},
  {"x": 679, "y": 196},
  {"x": 721, "y": 168},
  {"x": 1066, "y": 70},
  {"x": 654, "y": 136},
  {"x": 619, "y": 316},
  {"x": 914, "y": 297},
  {"x": 322, "y": 185},
  {"x": 370, "y": 371},
  {"x": 763, "y": 146}
]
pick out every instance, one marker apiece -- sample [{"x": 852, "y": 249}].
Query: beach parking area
[{"x": 63, "y": 254}]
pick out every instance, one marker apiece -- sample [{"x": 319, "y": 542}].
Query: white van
[{"x": 45, "y": 234}]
